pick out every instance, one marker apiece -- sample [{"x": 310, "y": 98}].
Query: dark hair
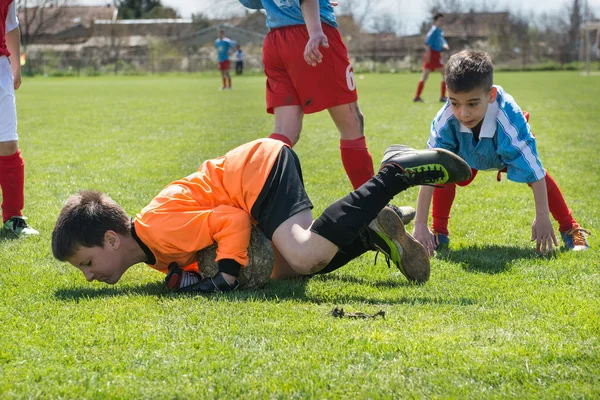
[
  {"x": 468, "y": 70},
  {"x": 83, "y": 221},
  {"x": 437, "y": 15}
]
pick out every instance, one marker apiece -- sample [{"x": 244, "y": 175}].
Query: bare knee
[{"x": 305, "y": 264}]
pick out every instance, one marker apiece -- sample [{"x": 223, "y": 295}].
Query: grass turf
[{"x": 494, "y": 321}]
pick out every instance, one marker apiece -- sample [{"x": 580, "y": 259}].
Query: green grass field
[{"x": 494, "y": 321}]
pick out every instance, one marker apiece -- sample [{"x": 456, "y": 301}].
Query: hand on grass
[
  {"x": 542, "y": 233},
  {"x": 424, "y": 236},
  {"x": 312, "y": 54}
]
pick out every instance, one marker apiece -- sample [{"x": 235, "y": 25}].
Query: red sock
[
  {"x": 229, "y": 81},
  {"x": 357, "y": 161},
  {"x": 558, "y": 206},
  {"x": 281, "y": 137},
  {"x": 443, "y": 197},
  {"x": 12, "y": 181},
  {"x": 420, "y": 87},
  {"x": 443, "y": 88}
]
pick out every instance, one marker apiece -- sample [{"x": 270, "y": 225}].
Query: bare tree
[{"x": 37, "y": 17}]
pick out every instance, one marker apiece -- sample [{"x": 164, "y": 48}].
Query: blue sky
[{"x": 412, "y": 12}]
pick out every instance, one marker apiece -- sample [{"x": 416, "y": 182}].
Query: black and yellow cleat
[
  {"x": 388, "y": 236},
  {"x": 426, "y": 167}
]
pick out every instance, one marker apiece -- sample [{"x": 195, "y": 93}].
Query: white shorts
[{"x": 8, "y": 107}]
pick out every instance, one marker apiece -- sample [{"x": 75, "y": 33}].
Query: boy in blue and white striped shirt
[{"x": 484, "y": 125}]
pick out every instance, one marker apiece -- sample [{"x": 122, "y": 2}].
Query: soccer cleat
[
  {"x": 389, "y": 237},
  {"x": 418, "y": 100},
  {"x": 441, "y": 241},
  {"x": 177, "y": 278},
  {"x": 426, "y": 167},
  {"x": 18, "y": 227},
  {"x": 406, "y": 213},
  {"x": 575, "y": 239}
]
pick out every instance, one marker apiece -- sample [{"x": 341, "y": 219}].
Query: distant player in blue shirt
[
  {"x": 224, "y": 46},
  {"x": 435, "y": 44},
  {"x": 484, "y": 125},
  {"x": 308, "y": 70}
]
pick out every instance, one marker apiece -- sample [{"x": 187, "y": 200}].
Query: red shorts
[
  {"x": 435, "y": 61},
  {"x": 224, "y": 65},
  {"x": 291, "y": 81}
]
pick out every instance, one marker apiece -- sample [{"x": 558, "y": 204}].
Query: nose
[
  {"x": 464, "y": 112},
  {"x": 89, "y": 276}
]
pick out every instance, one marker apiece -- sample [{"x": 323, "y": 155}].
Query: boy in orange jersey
[{"x": 257, "y": 183}]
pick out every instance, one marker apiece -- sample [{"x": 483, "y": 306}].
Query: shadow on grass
[
  {"x": 489, "y": 259},
  {"x": 293, "y": 289}
]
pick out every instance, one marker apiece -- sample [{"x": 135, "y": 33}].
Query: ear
[
  {"x": 112, "y": 240},
  {"x": 493, "y": 94}
]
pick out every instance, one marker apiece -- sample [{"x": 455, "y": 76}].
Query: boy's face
[
  {"x": 470, "y": 107},
  {"x": 104, "y": 264}
]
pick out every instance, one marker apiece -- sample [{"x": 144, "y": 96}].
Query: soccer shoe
[
  {"x": 426, "y": 167},
  {"x": 418, "y": 100},
  {"x": 441, "y": 241},
  {"x": 18, "y": 227},
  {"x": 406, "y": 213},
  {"x": 389, "y": 237},
  {"x": 575, "y": 239}
]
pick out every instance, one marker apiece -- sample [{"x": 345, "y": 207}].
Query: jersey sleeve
[
  {"x": 252, "y": 4},
  {"x": 12, "y": 22},
  {"x": 442, "y": 137},
  {"x": 517, "y": 148}
]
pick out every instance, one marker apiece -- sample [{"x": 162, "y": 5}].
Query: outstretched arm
[
  {"x": 421, "y": 232},
  {"x": 312, "y": 18},
  {"x": 542, "y": 231}
]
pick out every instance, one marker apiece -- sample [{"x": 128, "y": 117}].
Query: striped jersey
[
  {"x": 282, "y": 13},
  {"x": 505, "y": 140}
]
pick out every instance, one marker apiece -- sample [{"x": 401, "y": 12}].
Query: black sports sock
[
  {"x": 358, "y": 247},
  {"x": 342, "y": 221}
]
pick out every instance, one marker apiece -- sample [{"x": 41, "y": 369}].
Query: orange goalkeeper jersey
[{"x": 210, "y": 205}]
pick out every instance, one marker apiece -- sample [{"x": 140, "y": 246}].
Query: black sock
[
  {"x": 342, "y": 221},
  {"x": 358, "y": 247}
]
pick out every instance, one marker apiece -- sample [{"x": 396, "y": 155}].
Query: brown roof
[{"x": 54, "y": 20}]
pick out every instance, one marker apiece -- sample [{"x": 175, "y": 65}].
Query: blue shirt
[
  {"x": 223, "y": 46},
  {"x": 435, "y": 39},
  {"x": 288, "y": 12},
  {"x": 505, "y": 140}
]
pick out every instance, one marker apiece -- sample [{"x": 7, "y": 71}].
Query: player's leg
[
  {"x": 573, "y": 236},
  {"x": 309, "y": 246},
  {"x": 12, "y": 166},
  {"x": 443, "y": 198},
  {"x": 356, "y": 158},
  {"x": 223, "y": 78},
  {"x": 442, "y": 85},
  {"x": 228, "y": 76},
  {"x": 288, "y": 124},
  {"x": 421, "y": 85}
]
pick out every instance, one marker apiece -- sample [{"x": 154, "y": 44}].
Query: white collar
[{"x": 488, "y": 128}]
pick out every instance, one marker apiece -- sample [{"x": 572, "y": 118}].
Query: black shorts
[{"x": 283, "y": 194}]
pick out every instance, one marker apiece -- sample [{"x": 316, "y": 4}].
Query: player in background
[
  {"x": 435, "y": 44},
  {"x": 308, "y": 70},
  {"x": 12, "y": 166},
  {"x": 224, "y": 46},
  {"x": 239, "y": 60}
]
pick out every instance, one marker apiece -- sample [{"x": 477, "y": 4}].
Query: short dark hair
[
  {"x": 468, "y": 70},
  {"x": 437, "y": 15},
  {"x": 83, "y": 221}
]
